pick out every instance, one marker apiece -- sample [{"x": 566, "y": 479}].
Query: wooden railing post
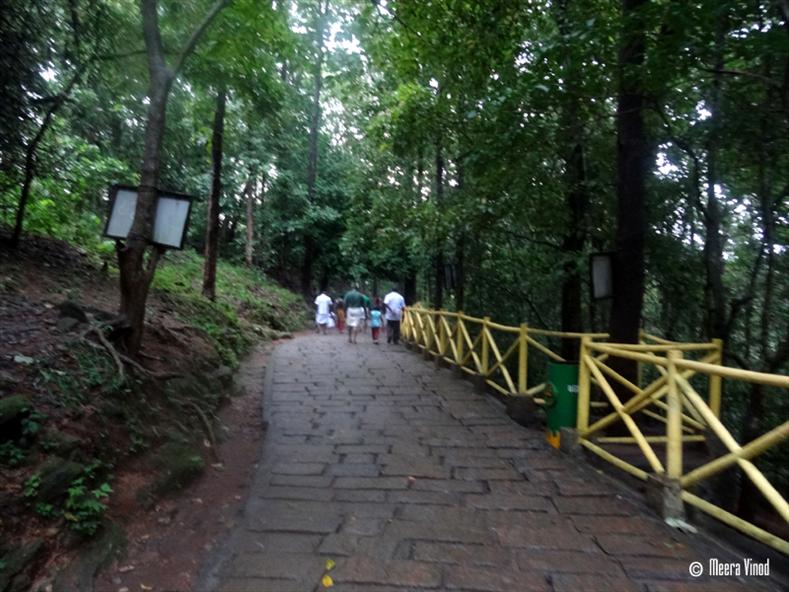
[
  {"x": 459, "y": 337},
  {"x": 673, "y": 419},
  {"x": 523, "y": 359},
  {"x": 584, "y": 386},
  {"x": 439, "y": 331},
  {"x": 443, "y": 336},
  {"x": 485, "y": 351},
  {"x": 716, "y": 381}
]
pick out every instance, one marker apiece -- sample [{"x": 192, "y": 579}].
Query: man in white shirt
[
  {"x": 323, "y": 305},
  {"x": 394, "y": 304}
]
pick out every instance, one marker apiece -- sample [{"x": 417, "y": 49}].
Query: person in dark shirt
[{"x": 355, "y": 313}]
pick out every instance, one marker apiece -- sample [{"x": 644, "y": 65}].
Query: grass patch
[{"x": 244, "y": 297}]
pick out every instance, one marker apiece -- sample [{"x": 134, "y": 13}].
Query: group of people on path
[{"x": 356, "y": 310}]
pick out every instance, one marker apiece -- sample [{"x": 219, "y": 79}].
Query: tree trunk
[
  {"x": 715, "y": 299},
  {"x": 136, "y": 273},
  {"x": 249, "y": 248},
  {"x": 312, "y": 154},
  {"x": 438, "y": 259},
  {"x": 31, "y": 155},
  {"x": 460, "y": 272},
  {"x": 633, "y": 164},
  {"x": 576, "y": 197},
  {"x": 409, "y": 289},
  {"x": 212, "y": 224}
]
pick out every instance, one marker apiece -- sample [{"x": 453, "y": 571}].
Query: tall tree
[
  {"x": 137, "y": 259},
  {"x": 320, "y": 24},
  {"x": 633, "y": 163},
  {"x": 212, "y": 224}
]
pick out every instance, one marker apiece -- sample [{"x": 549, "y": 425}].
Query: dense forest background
[{"x": 475, "y": 152}]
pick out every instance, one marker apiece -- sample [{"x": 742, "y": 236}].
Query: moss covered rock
[
  {"x": 177, "y": 464},
  {"x": 13, "y": 410},
  {"x": 56, "y": 476}
]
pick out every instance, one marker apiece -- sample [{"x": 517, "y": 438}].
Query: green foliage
[
  {"x": 11, "y": 455},
  {"x": 31, "y": 486},
  {"x": 31, "y": 424},
  {"x": 239, "y": 291},
  {"x": 85, "y": 507},
  {"x": 90, "y": 372},
  {"x": 45, "y": 510}
]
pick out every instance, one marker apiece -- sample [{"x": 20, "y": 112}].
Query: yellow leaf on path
[
  {"x": 327, "y": 581},
  {"x": 330, "y": 564}
]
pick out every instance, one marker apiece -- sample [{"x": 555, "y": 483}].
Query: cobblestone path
[{"x": 408, "y": 479}]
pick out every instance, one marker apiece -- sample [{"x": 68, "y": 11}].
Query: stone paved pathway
[{"x": 408, "y": 479}]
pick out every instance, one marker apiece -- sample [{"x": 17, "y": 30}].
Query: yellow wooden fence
[
  {"x": 481, "y": 347},
  {"x": 673, "y": 402}
]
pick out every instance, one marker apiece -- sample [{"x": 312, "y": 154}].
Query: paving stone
[
  {"x": 295, "y": 521},
  {"x": 550, "y": 561},
  {"x": 302, "y": 480},
  {"x": 296, "y": 493},
  {"x": 460, "y": 554},
  {"x": 363, "y": 495},
  {"x": 362, "y": 526},
  {"x": 550, "y": 537},
  {"x": 717, "y": 585},
  {"x": 447, "y": 485},
  {"x": 371, "y": 482},
  {"x": 263, "y": 585},
  {"x": 485, "y": 474},
  {"x": 299, "y": 469},
  {"x": 635, "y": 525},
  {"x": 429, "y": 470},
  {"x": 340, "y": 543},
  {"x": 367, "y": 570},
  {"x": 354, "y": 470},
  {"x": 508, "y": 501},
  {"x": 286, "y": 566},
  {"x": 359, "y": 458},
  {"x": 412, "y": 496},
  {"x": 487, "y": 579},
  {"x": 596, "y": 506},
  {"x": 278, "y": 542},
  {"x": 658, "y": 568},
  {"x": 618, "y": 544},
  {"x": 592, "y": 583}
]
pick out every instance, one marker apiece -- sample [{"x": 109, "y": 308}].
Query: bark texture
[
  {"x": 633, "y": 163},
  {"x": 212, "y": 224}
]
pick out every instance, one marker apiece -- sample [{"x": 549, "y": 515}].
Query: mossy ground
[{"x": 83, "y": 411}]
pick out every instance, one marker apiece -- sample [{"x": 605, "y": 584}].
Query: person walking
[
  {"x": 355, "y": 313},
  {"x": 339, "y": 310},
  {"x": 394, "y": 304},
  {"x": 376, "y": 320},
  {"x": 323, "y": 304}
]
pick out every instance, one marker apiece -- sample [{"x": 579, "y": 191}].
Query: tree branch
[
  {"x": 153, "y": 38},
  {"x": 197, "y": 34},
  {"x": 743, "y": 73}
]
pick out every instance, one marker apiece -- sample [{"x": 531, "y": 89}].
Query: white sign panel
[
  {"x": 170, "y": 221},
  {"x": 122, "y": 214}
]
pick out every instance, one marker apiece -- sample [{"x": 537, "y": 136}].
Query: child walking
[{"x": 376, "y": 320}]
